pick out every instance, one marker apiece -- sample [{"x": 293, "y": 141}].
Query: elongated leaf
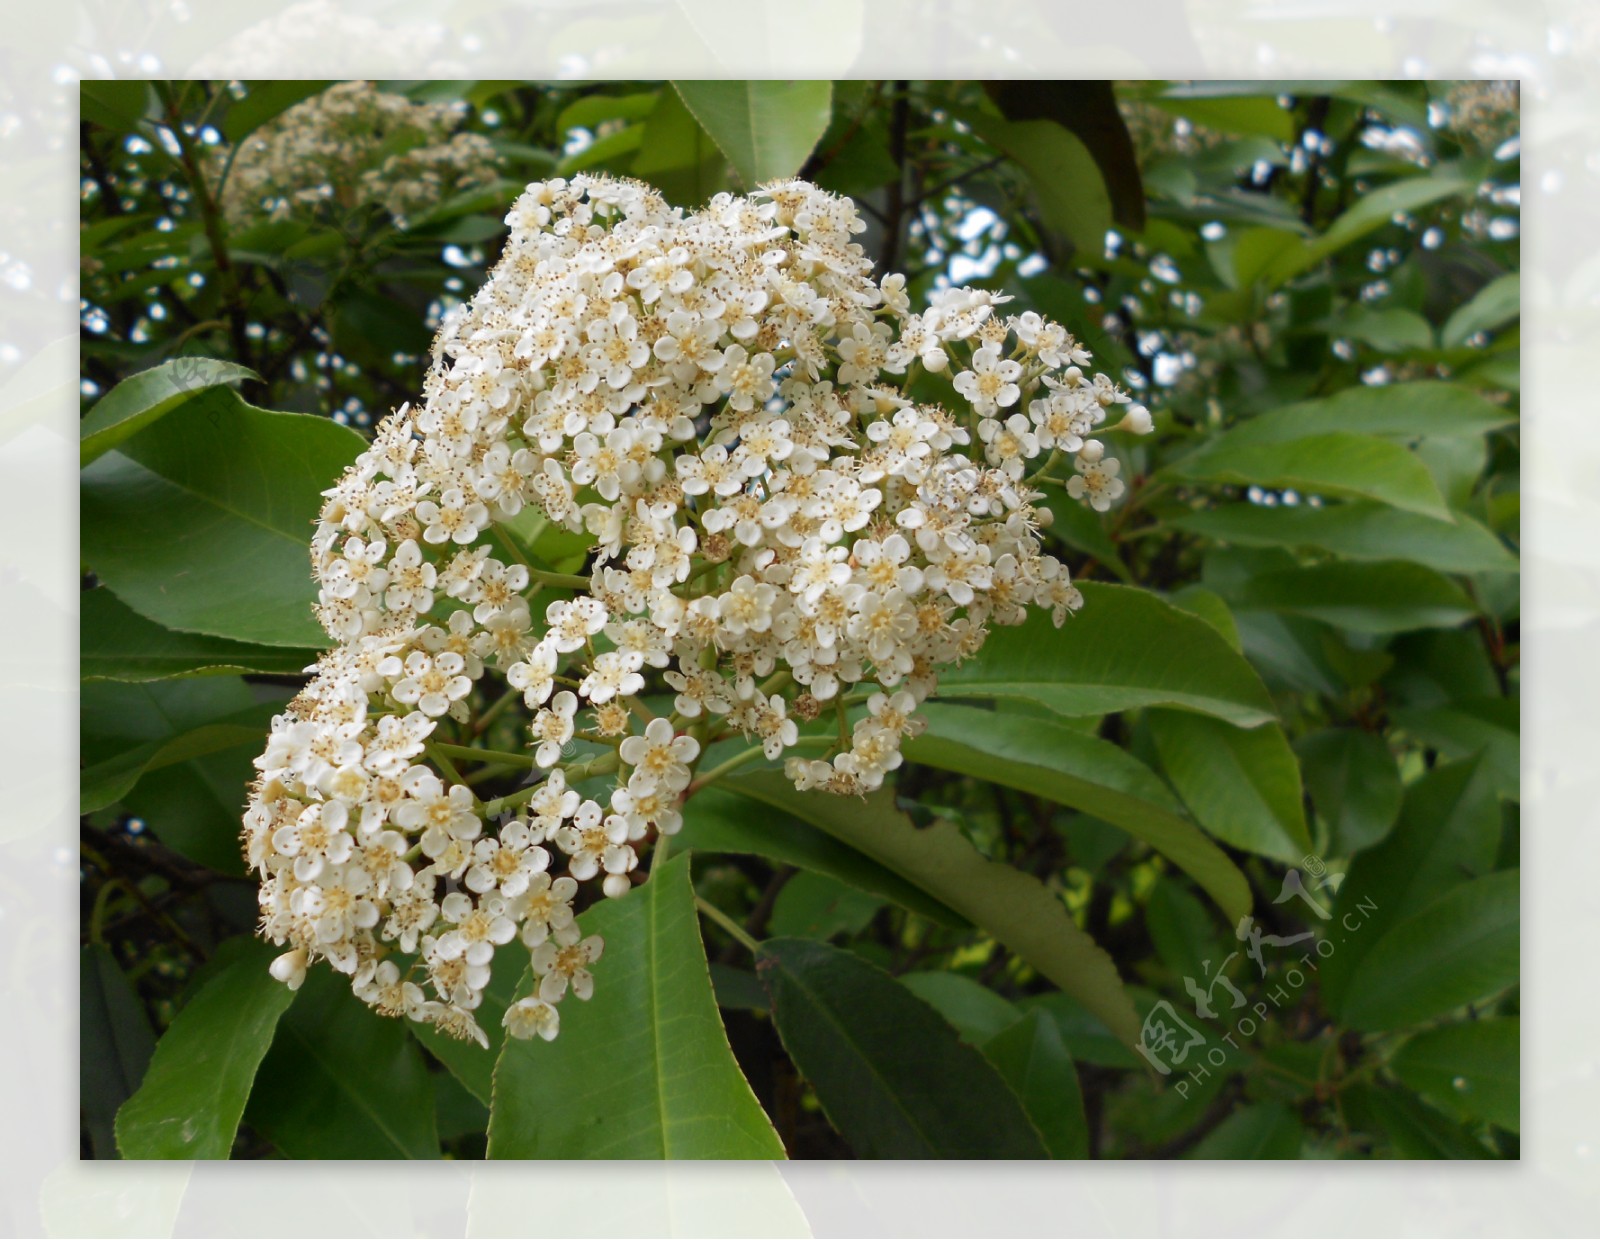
[
  {"x": 971, "y": 1008},
  {"x": 891, "y": 1075},
  {"x": 1014, "y": 907},
  {"x": 1354, "y": 784},
  {"x": 1494, "y": 305},
  {"x": 201, "y": 523},
  {"x": 1243, "y": 786},
  {"x": 1072, "y": 194},
  {"x": 141, "y": 399},
  {"x": 1395, "y": 410},
  {"x": 814, "y": 906},
  {"x": 716, "y": 820},
  {"x": 1361, "y": 530},
  {"x": 265, "y": 101},
  {"x": 765, "y": 128},
  {"x": 1490, "y": 726},
  {"x": 1472, "y": 1070},
  {"x": 117, "y": 643},
  {"x": 1034, "y": 1061},
  {"x": 1414, "y": 1129},
  {"x": 114, "y": 1044},
  {"x": 643, "y": 1069},
  {"x": 343, "y": 1082},
  {"x": 108, "y": 782},
  {"x": 1125, "y": 648},
  {"x": 1051, "y": 760},
  {"x": 1266, "y": 1130},
  {"x": 1462, "y": 948},
  {"x": 1448, "y": 832},
  {"x": 195, "y": 1089},
  {"x": 1381, "y": 597},
  {"x": 1334, "y": 463}
]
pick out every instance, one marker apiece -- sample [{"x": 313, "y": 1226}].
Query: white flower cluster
[
  {"x": 718, "y": 403},
  {"x": 353, "y": 146}
]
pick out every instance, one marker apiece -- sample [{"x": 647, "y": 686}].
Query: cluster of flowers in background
[
  {"x": 353, "y": 146},
  {"x": 783, "y": 528}
]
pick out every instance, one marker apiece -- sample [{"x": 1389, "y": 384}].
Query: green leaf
[
  {"x": 1449, "y": 830},
  {"x": 1080, "y": 526},
  {"x": 1051, "y": 760},
  {"x": 114, "y": 104},
  {"x": 114, "y": 1044},
  {"x": 1359, "y": 530},
  {"x": 592, "y": 110},
  {"x": 1071, "y": 192},
  {"x": 971, "y": 1008},
  {"x": 202, "y": 523},
  {"x": 1462, "y": 948},
  {"x": 1336, "y": 463},
  {"x": 1494, "y": 305},
  {"x": 1472, "y": 1070},
  {"x": 342, "y": 1081},
  {"x": 765, "y": 128},
  {"x": 1265, "y": 1130},
  {"x": 1184, "y": 934},
  {"x": 108, "y": 782},
  {"x": 814, "y": 906},
  {"x": 643, "y": 1069},
  {"x": 144, "y": 398},
  {"x": 677, "y": 156},
  {"x": 1244, "y": 114},
  {"x": 265, "y": 101},
  {"x": 1489, "y": 726},
  {"x": 1354, "y": 784},
  {"x": 1393, "y": 330},
  {"x": 1015, "y": 908},
  {"x": 1034, "y": 1061},
  {"x": 1414, "y": 1129},
  {"x": 1210, "y": 607},
  {"x": 194, "y": 1092},
  {"x": 1125, "y": 648},
  {"x": 117, "y": 643},
  {"x": 1397, "y": 410},
  {"x": 717, "y": 820},
  {"x": 1378, "y": 597},
  {"x": 1243, "y": 786},
  {"x": 892, "y": 1077}
]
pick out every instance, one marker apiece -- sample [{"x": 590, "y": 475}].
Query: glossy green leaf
[
  {"x": 195, "y": 1089},
  {"x": 108, "y": 782},
  {"x": 1333, "y": 463},
  {"x": 142, "y": 399},
  {"x": 643, "y": 1069},
  {"x": 202, "y": 522},
  {"x": 814, "y": 906},
  {"x": 971, "y": 1008},
  {"x": 1034, "y": 1061},
  {"x": 1048, "y": 759},
  {"x": 114, "y": 104},
  {"x": 1265, "y": 1130},
  {"x": 1472, "y": 1070},
  {"x": 1183, "y": 931},
  {"x": 1378, "y": 597},
  {"x": 265, "y": 101},
  {"x": 1071, "y": 191},
  {"x": 1354, "y": 784},
  {"x": 1448, "y": 831},
  {"x": 114, "y": 1044},
  {"x": 1395, "y": 410},
  {"x": 717, "y": 820},
  {"x": 1125, "y": 648},
  {"x": 892, "y": 1077},
  {"x": 1392, "y": 330},
  {"x": 117, "y": 643},
  {"x": 342, "y": 1081},
  {"x": 1360, "y": 530},
  {"x": 1242, "y": 785},
  {"x": 1462, "y": 948},
  {"x": 1260, "y": 113},
  {"x": 765, "y": 128},
  {"x": 1494, "y": 305},
  {"x": 1013, "y": 907},
  {"x": 1213, "y": 609}
]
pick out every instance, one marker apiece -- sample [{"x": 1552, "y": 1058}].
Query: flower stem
[
  {"x": 727, "y": 923},
  {"x": 468, "y": 753}
]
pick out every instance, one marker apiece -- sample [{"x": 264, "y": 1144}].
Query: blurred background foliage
[{"x": 1313, "y": 286}]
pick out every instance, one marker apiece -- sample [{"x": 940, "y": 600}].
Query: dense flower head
[
  {"x": 353, "y": 146},
  {"x": 718, "y": 406}
]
